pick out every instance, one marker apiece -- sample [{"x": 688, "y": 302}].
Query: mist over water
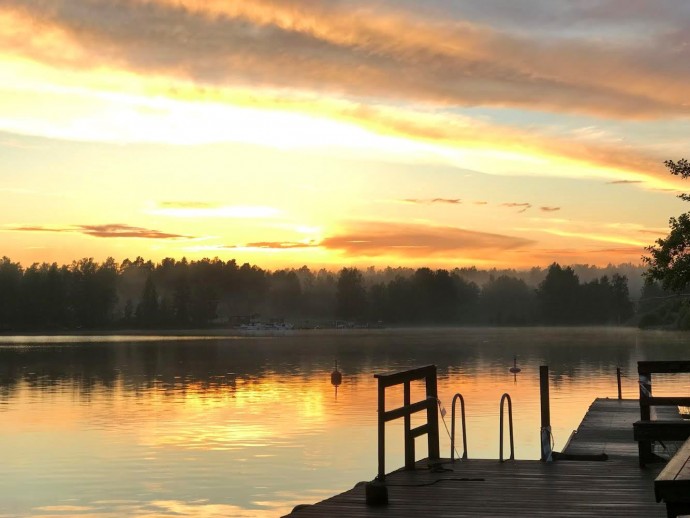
[{"x": 251, "y": 425}]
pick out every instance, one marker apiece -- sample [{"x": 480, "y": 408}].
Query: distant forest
[{"x": 172, "y": 294}]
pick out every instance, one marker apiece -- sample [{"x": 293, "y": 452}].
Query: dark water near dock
[{"x": 251, "y": 425}]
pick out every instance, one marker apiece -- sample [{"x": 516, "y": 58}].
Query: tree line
[{"x": 210, "y": 292}]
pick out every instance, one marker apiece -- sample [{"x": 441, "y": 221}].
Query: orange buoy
[{"x": 515, "y": 369}]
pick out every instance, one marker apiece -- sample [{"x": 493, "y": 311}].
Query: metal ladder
[
  {"x": 504, "y": 397},
  {"x": 510, "y": 426},
  {"x": 452, "y": 428}
]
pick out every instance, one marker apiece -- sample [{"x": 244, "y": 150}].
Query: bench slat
[
  {"x": 663, "y": 366},
  {"x": 673, "y": 483},
  {"x": 666, "y": 401},
  {"x": 664, "y": 430}
]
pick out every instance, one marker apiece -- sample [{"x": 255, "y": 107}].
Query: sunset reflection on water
[{"x": 252, "y": 426}]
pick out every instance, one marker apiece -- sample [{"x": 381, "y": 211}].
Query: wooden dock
[{"x": 617, "y": 486}]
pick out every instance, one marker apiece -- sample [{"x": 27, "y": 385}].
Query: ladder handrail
[
  {"x": 429, "y": 405},
  {"x": 452, "y": 428},
  {"x": 510, "y": 426}
]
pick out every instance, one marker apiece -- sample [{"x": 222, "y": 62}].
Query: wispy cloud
[
  {"x": 39, "y": 228},
  {"x": 522, "y": 206},
  {"x": 113, "y": 230},
  {"x": 277, "y": 245},
  {"x": 616, "y": 182},
  {"x": 119, "y": 230},
  {"x": 448, "y": 201},
  {"x": 622, "y": 239},
  {"x": 549, "y": 209},
  {"x": 586, "y": 255}
]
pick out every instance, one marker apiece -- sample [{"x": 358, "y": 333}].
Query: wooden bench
[
  {"x": 648, "y": 430},
  {"x": 673, "y": 483}
]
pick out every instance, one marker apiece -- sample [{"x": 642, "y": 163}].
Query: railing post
[
  {"x": 545, "y": 413},
  {"x": 382, "y": 432},
  {"x": 644, "y": 448},
  {"x": 432, "y": 415},
  {"x": 618, "y": 377},
  {"x": 409, "y": 440}
]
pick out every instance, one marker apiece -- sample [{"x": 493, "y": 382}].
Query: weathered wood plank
[{"x": 518, "y": 488}]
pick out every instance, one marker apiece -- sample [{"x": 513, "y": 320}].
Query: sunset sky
[{"x": 330, "y": 133}]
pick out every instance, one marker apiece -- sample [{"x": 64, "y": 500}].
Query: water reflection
[{"x": 250, "y": 426}]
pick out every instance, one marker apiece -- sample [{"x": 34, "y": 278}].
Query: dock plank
[{"x": 523, "y": 487}]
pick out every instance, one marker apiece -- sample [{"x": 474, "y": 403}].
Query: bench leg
[
  {"x": 644, "y": 449},
  {"x": 674, "y": 509}
]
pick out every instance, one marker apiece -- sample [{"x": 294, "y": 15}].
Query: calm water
[{"x": 251, "y": 426}]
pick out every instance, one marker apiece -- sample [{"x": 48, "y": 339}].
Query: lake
[{"x": 249, "y": 426}]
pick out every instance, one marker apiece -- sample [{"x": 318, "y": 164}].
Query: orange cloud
[{"x": 416, "y": 240}]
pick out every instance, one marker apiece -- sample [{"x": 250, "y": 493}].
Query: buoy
[
  {"x": 336, "y": 376},
  {"x": 515, "y": 369}
]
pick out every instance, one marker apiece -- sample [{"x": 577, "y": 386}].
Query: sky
[{"x": 342, "y": 133}]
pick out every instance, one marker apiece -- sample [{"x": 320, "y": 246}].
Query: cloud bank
[{"x": 361, "y": 50}]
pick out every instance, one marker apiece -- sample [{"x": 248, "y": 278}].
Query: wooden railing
[
  {"x": 429, "y": 403},
  {"x": 648, "y": 430}
]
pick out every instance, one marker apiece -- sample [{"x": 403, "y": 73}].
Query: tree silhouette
[
  {"x": 147, "y": 310},
  {"x": 10, "y": 279},
  {"x": 670, "y": 256},
  {"x": 558, "y": 295},
  {"x": 351, "y": 297},
  {"x": 139, "y": 293},
  {"x": 507, "y": 301},
  {"x": 622, "y": 308}
]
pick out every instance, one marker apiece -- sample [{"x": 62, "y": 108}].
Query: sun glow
[
  {"x": 113, "y": 105},
  {"x": 116, "y": 106}
]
